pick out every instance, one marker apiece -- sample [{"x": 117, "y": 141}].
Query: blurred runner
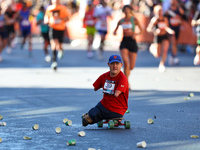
[
  {"x": 25, "y": 27},
  {"x": 3, "y": 33},
  {"x": 56, "y": 16},
  {"x": 174, "y": 18},
  {"x": 11, "y": 16},
  {"x": 196, "y": 22},
  {"x": 101, "y": 12},
  {"x": 160, "y": 27},
  {"x": 89, "y": 21},
  {"x": 128, "y": 46},
  {"x": 44, "y": 32}
]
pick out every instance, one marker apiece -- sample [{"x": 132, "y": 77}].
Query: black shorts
[
  {"x": 45, "y": 36},
  {"x": 99, "y": 112},
  {"x": 160, "y": 38},
  {"x": 130, "y": 44},
  {"x": 177, "y": 31},
  {"x": 102, "y": 32},
  {"x": 56, "y": 34},
  {"x": 3, "y": 34},
  {"x": 10, "y": 29}
]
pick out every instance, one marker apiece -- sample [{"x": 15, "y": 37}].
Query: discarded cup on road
[
  {"x": 58, "y": 130},
  {"x": 91, "y": 149},
  {"x": 27, "y": 138},
  {"x": 69, "y": 123},
  {"x": 191, "y": 95},
  {"x": 2, "y": 123},
  {"x": 65, "y": 120},
  {"x": 0, "y": 140},
  {"x": 142, "y": 144},
  {"x": 194, "y": 136},
  {"x": 81, "y": 133},
  {"x": 71, "y": 142},
  {"x": 128, "y": 111},
  {"x": 186, "y": 98},
  {"x": 150, "y": 121},
  {"x": 35, "y": 127},
  {"x": 1, "y": 117}
]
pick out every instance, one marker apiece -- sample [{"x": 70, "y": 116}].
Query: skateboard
[{"x": 114, "y": 122}]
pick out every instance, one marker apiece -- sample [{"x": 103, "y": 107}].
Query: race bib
[
  {"x": 90, "y": 22},
  {"x": 174, "y": 21},
  {"x": 161, "y": 25},
  {"x": 25, "y": 22},
  {"x": 57, "y": 21},
  {"x": 109, "y": 87}
]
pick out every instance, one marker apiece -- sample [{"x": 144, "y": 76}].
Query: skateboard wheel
[
  {"x": 100, "y": 123},
  {"x": 116, "y": 123},
  {"x": 127, "y": 124},
  {"x": 111, "y": 124}
]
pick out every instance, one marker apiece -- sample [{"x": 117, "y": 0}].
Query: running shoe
[
  {"x": 176, "y": 61},
  {"x": 9, "y": 50},
  {"x": 196, "y": 60},
  {"x": 100, "y": 54},
  {"x": 90, "y": 54},
  {"x": 60, "y": 54},
  {"x": 1, "y": 59},
  {"x": 170, "y": 60},
  {"x": 161, "y": 68},
  {"x": 47, "y": 58},
  {"x": 54, "y": 65}
]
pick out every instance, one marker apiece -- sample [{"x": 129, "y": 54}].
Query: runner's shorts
[
  {"x": 45, "y": 36},
  {"x": 102, "y": 32},
  {"x": 10, "y": 29},
  {"x": 160, "y": 38},
  {"x": 91, "y": 31},
  {"x": 26, "y": 32},
  {"x": 130, "y": 44},
  {"x": 56, "y": 34},
  {"x": 99, "y": 112},
  {"x": 3, "y": 34}
]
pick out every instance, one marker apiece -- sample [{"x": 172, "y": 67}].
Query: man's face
[{"x": 115, "y": 68}]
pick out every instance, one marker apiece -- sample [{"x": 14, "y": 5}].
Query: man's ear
[
  {"x": 108, "y": 64},
  {"x": 121, "y": 64}
]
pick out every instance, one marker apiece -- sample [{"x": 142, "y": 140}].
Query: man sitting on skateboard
[{"x": 115, "y": 99}]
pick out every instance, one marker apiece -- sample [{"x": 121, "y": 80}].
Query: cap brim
[{"x": 114, "y": 61}]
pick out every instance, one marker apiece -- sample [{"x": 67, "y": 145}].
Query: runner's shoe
[
  {"x": 161, "y": 68},
  {"x": 197, "y": 60},
  {"x": 60, "y": 54},
  {"x": 47, "y": 58},
  {"x": 1, "y": 59},
  {"x": 9, "y": 50},
  {"x": 54, "y": 65},
  {"x": 170, "y": 60},
  {"x": 176, "y": 61},
  {"x": 90, "y": 54}
]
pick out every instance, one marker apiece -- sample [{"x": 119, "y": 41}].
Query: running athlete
[
  {"x": 56, "y": 16},
  {"x": 128, "y": 46},
  {"x": 11, "y": 16},
  {"x": 3, "y": 33},
  {"x": 160, "y": 27},
  {"x": 101, "y": 12},
  {"x": 196, "y": 22},
  {"x": 89, "y": 21},
  {"x": 115, "y": 98},
  {"x": 45, "y": 33},
  {"x": 174, "y": 18},
  {"x": 25, "y": 26}
]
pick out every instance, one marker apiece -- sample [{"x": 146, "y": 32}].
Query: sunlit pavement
[{"x": 32, "y": 93}]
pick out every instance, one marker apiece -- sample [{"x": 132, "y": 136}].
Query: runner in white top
[{"x": 101, "y": 12}]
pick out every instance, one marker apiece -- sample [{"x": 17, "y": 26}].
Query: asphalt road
[{"x": 32, "y": 93}]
